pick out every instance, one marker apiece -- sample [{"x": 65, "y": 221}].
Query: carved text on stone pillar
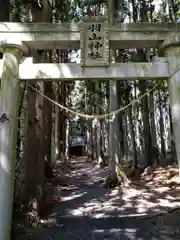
[{"x": 94, "y": 43}]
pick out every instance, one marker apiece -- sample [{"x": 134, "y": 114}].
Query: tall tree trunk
[
  {"x": 171, "y": 10},
  {"x": 67, "y": 123},
  {"x": 132, "y": 133},
  {"x": 57, "y": 119},
  {"x": 35, "y": 151},
  {"x": 135, "y": 10},
  {"x": 34, "y": 154},
  {"x": 93, "y": 136},
  {"x": 153, "y": 126},
  {"x": 4, "y": 10},
  {"x": 173, "y": 149},
  {"x": 161, "y": 124},
  {"x": 58, "y": 112},
  {"x": 146, "y": 126},
  {"x": 98, "y": 150},
  {"x": 16, "y": 12},
  {"x": 63, "y": 95},
  {"x": 48, "y": 121},
  {"x": 120, "y": 89},
  {"x": 113, "y": 145},
  {"x": 125, "y": 135},
  {"x": 152, "y": 119},
  {"x": 88, "y": 125},
  {"x": 127, "y": 94}
]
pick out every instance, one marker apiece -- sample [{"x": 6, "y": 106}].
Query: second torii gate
[{"x": 95, "y": 38}]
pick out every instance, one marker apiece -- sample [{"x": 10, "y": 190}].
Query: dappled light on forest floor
[
  {"x": 84, "y": 208},
  {"x": 148, "y": 195},
  {"x": 157, "y": 190}
]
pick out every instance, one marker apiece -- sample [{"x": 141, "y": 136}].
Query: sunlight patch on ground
[
  {"x": 151, "y": 195},
  {"x": 116, "y": 230},
  {"x": 127, "y": 232},
  {"x": 165, "y": 203},
  {"x": 162, "y": 189},
  {"x": 128, "y": 201},
  {"x": 130, "y": 207},
  {"x": 68, "y": 198}
]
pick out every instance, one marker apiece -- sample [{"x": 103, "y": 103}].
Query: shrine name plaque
[{"x": 94, "y": 43}]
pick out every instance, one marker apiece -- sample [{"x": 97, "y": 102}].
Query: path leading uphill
[{"x": 84, "y": 210}]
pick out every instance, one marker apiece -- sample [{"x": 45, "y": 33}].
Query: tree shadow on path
[{"x": 83, "y": 209}]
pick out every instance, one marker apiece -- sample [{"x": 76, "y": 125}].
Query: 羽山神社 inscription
[{"x": 94, "y": 43}]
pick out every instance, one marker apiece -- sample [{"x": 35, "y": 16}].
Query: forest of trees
[{"x": 144, "y": 130}]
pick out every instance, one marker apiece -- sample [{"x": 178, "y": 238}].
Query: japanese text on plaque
[{"x": 95, "y": 41}]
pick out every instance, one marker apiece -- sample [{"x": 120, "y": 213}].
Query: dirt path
[{"x": 85, "y": 210}]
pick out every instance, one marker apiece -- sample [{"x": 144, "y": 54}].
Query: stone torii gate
[{"x": 95, "y": 38}]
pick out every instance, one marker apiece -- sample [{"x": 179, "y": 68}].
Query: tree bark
[
  {"x": 161, "y": 124},
  {"x": 35, "y": 145},
  {"x": 48, "y": 121},
  {"x": 4, "y": 10},
  {"x": 34, "y": 155},
  {"x": 146, "y": 127}
]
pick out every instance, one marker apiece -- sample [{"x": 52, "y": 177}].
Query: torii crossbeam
[
  {"x": 72, "y": 72},
  {"x": 67, "y": 35}
]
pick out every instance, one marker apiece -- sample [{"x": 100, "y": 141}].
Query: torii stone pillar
[
  {"x": 172, "y": 51},
  {"x": 9, "y": 106}
]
